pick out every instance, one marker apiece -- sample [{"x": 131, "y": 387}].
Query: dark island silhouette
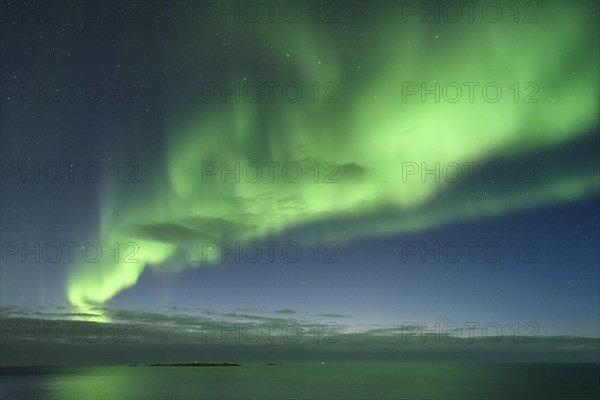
[
  {"x": 199, "y": 364},
  {"x": 196, "y": 364}
]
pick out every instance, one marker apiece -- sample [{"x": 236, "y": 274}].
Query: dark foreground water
[{"x": 307, "y": 381}]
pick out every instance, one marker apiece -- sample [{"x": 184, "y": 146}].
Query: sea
[{"x": 306, "y": 381}]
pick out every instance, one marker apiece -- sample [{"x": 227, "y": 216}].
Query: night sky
[{"x": 161, "y": 117}]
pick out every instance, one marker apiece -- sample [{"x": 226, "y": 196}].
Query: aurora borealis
[
  {"x": 384, "y": 99},
  {"x": 368, "y": 133}
]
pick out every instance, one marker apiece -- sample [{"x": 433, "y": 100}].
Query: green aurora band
[{"x": 369, "y": 133}]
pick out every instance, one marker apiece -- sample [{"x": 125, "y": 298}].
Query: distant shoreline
[{"x": 194, "y": 364}]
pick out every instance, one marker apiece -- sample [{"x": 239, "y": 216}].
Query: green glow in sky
[{"x": 368, "y": 134}]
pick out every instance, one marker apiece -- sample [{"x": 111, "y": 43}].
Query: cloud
[
  {"x": 334, "y": 315},
  {"x": 146, "y": 337},
  {"x": 286, "y": 311},
  {"x": 156, "y": 338}
]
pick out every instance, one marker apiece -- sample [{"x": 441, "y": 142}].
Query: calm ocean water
[{"x": 307, "y": 381}]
